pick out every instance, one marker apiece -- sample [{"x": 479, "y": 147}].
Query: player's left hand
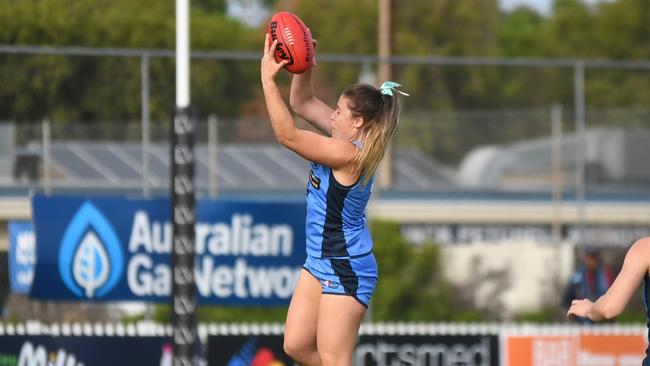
[
  {"x": 269, "y": 67},
  {"x": 579, "y": 308}
]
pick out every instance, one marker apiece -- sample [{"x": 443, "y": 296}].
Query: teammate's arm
[{"x": 612, "y": 304}]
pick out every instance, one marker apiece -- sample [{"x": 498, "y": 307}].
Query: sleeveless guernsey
[{"x": 336, "y": 221}]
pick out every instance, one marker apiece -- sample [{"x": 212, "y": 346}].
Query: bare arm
[
  {"x": 334, "y": 153},
  {"x": 613, "y": 303},
  {"x": 304, "y": 102}
]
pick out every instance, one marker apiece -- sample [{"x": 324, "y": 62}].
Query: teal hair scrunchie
[{"x": 388, "y": 87}]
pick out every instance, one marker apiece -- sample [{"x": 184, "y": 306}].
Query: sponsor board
[
  {"x": 427, "y": 350},
  {"x": 576, "y": 350},
  {"x": 371, "y": 350},
  {"x": 250, "y": 350},
  {"x": 462, "y": 233},
  {"x": 108, "y": 249},
  {"x": 22, "y": 256},
  {"x": 84, "y": 351}
]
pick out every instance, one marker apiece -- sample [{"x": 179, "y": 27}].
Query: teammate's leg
[{"x": 302, "y": 320}]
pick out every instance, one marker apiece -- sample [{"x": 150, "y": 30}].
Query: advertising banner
[
  {"x": 246, "y": 350},
  {"x": 371, "y": 350},
  {"x": 84, "y": 351},
  {"x": 576, "y": 350},
  {"x": 463, "y": 233},
  {"x": 107, "y": 249},
  {"x": 427, "y": 350},
  {"x": 619, "y": 350},
  {"x": 22, "y": 256}
]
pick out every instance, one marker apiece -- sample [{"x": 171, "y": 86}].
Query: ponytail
[{"x": 380, "y": 109}]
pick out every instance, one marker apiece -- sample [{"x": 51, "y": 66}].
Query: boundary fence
[
  {"x": 403, "y": 343},
  {"x": 147, "y": 328}
]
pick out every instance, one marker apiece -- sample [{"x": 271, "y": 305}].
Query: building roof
[{"x": 267, "y": 167}]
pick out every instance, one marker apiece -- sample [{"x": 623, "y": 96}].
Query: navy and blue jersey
[
  {"x": 646, "y": 298},
  {"x": 336, "y": 219}
]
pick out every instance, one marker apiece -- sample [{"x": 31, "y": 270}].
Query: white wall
[{"x": 519, "y": 276}]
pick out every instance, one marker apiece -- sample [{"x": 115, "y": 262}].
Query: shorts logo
[
  {"x": 314, "y": 180},
  {"x": 330, "y": 284},
  {"x": 90, "y": 258}
]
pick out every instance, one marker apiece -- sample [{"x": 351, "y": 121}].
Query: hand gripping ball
[{"x": 294, "y": 41}]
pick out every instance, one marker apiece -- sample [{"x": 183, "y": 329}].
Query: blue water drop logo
[{"x": 90, "y": 259}]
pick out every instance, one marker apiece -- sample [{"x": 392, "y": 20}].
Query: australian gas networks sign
[
  {"x": 120, "y": 249},
  {"x": 241, "y": 238}
]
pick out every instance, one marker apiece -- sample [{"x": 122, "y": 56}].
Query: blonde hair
[{"x": 381, "y": 118}]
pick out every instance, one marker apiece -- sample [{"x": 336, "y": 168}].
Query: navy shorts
[{"x": 356, "y": 276}]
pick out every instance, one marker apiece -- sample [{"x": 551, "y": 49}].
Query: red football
[{"x": 294, "y": 41}]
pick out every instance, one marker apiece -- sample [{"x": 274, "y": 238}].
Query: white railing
[{"x": 149, "y": 328}]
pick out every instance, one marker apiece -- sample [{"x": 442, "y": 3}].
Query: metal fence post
[
  {"x": 144, "y": 72},
  {"x": 556, "y": 170},
  {"x": 581, "y": 141},
  {"x": 47, "y": 161},
  {"x": 213, "y": 161}
]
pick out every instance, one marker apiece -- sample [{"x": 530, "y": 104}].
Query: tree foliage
[
  {"x": 411, "y": 284},
  {"x": 411, "y": 287},
  {"x": 90, "y": 89},
  {"x": 93, "y": 89}
]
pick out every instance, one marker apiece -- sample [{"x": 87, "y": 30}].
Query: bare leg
[
  {"x": 339, "y": 319},
  {"x": 302, "y": 319}
]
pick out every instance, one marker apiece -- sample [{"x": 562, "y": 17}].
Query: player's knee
[
  {"x": 334, "y": 359},
  {"x": 295, "y": 349},
  {"x": 289, "y": 348}
]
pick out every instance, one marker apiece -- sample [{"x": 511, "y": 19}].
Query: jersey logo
[
  {"x": 330, "y": 284},
  {"x": 314, "y": 180}
]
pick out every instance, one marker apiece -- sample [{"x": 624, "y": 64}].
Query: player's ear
[{"x": 359, "y": 122}]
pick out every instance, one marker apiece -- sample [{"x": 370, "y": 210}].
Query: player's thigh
[
  {"x": 302, "y": 317},
  {"x": 339, "y": 319}
]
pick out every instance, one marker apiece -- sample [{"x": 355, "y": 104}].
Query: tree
[
  {"x": 411, "y": 287},
  {"x": 411, "y": 284},
  {"x": 67, "y": 88},
  {"x": 107, "y": 89},
  {"x": 610, "y": 30}
]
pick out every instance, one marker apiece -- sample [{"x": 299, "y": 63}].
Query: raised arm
[
  {"x": 612, "y": 304},
  {"x": 335, "y": 153},
  {"x": 303, "y": 101}
]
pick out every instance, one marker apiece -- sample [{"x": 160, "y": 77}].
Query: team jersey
[
  {"x": 646, "y": 305},
  {"x": 336, "y": 220}
]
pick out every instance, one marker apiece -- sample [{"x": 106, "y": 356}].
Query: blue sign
[
  {"x": 79, "y": 351},
  {"x": 22, "y": 256},
  {"x": 109, "y": 249},
  {"x": 88, "y": 264}
]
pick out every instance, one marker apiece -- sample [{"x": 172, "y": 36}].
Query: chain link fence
[{"x": 464, "y": 116}]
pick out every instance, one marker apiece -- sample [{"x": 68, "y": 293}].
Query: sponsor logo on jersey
[{"x": 314, "y": 180}]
